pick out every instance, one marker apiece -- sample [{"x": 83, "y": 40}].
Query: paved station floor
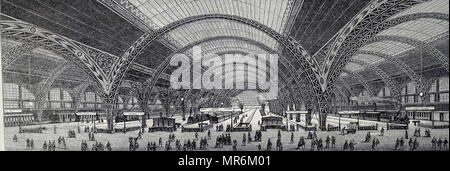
[{"x": 119, "y": 141}]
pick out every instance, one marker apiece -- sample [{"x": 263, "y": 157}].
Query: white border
[{"x": 2, "y": 124}]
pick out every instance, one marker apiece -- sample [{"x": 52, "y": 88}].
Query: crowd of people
[
  {"x": 30, "y": 143},
  {"x": 258, "y": 136},
  {"x": 219, "y": 127},
  {"x": 133, "y": 143},
  {"x": 200, "y": 142},
  {"x": 62, "y": 142},
  {"x": 439, "y": 144},
  {"x": 96, "y": 146},
  {"x": 224, "y": 139},
  {"x": 311, "y": 135},
  {"x": 349, "y": 145},
  {"x": 91, "y": 136},
  {"x": 51, "y": 146},
  {"x": 71, "y": 134}
]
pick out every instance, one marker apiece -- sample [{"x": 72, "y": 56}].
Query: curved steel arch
[
  {"x": 12, "y": 55},
  {"x": 342, "y": 93},
  {"x": 121, "y": 66},
  {"x": 375, "y": 12},
  {"x": 347, "y": 87},
  {"x": 438, "y": 55},
  {"x": 405, "y": 68},
  {"x": 42, "y": 89},
  {"x": 363, "y": 82},
  {"x": 155, "y": 77},
  {"x": 69, "y": 49},
  {"x": 383, "y": 75},
  {"x": 339, "y": 94},
  {"x": 282, "y": 74},
  {"x": 227, "y": 92},
  {"x": 411, "y": 17},
  {"x": 357, "y": 31},
  {"x": 283, "y": 78}
]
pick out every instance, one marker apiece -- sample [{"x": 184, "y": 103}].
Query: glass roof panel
[
  {"x": 439, "y": 6},
  {"x": 224, "y": 49},
  {"x": 217, "y": 44},
  {"x": 422, "y": 29},
  {"x": 268, "y": 12},
  {"x": 370, "y": 59},
  {"x": 392, "y": 48},
  {"x": 197, "y": 31},
  {"x": 353, "y": 66},
  {"x": 229, "y": 43},
  {"x": 272, "y": 13}
]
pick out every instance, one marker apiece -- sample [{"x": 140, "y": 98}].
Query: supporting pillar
[
  {"x": 324, "y": 101},
  {"x": 41, "y": 97},
  {"x": 142, "y": 94},
  {"x": 42, "y": 89},
  {"x": 76, "y": 96},
  {"x": 109, "y": 107}
]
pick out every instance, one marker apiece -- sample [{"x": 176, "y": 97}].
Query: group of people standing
[
  {"x": 224, "y": 139},
  {"x": 400, "y": 144},
  {"x": 439, "y": 144}
]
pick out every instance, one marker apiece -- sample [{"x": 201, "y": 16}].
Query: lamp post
[
  {"x": 78, "y": 123},
  {"x": 183, "y": 108},
  {"x": 93, "y": 120},
  {"x": 124, "y": 124}
]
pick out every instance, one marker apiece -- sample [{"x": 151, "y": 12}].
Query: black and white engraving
[{"x": 225, "y": 75}]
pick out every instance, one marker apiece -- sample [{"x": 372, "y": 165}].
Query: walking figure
[{"x": 15, "y": 138}]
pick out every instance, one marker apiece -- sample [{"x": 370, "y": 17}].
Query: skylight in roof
[
  {"x": 437, "y": 6},
  {"x": 273, "y": 13},
  {"x": 159, "y": 13},
  {"x": 392, "y": 48},
  {"x": 353, "y": 66},
  {"x": 370, "y": 59},
  {"x": 198, "y": 31},
  {"x": 422, "y": 29}
]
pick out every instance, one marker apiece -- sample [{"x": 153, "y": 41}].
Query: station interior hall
[{"x": 369, "y": 73}]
